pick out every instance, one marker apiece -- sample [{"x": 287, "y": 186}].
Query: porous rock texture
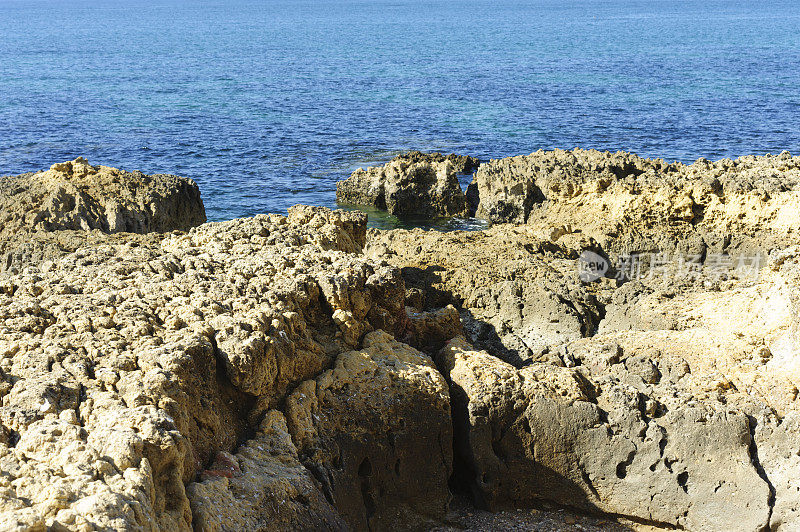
[
  {"x": 629, "y": 203},
  {"x": 605, "y": 439},
  {"x": 77, "y": 195},
  {"x": 463, "y": 164},
  {"x": 273, "y": 373},
  {"x": 670, "y": 398},
  {"x": 376, "y": 429},
  {"x": 678, "y": 409},
  {"x": 517, "y": 293},
  {"x": 267, "y": 488},
  {"x": 411, "y": 185},
  {"x": 131, "y": 369}
]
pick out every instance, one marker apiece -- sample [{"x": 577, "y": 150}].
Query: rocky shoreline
[{"x": 620, "y": 343}]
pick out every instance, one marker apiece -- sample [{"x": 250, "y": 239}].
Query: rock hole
[
  {"x": 683, "y": 478},
  {"x": 365, "y": 468},
  {"x": 622, "y": 470}
]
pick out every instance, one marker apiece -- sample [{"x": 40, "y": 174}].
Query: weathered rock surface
[
  {"x": 412, "y": 185},
  {"x": 618, "y": 439},
  {"x": 740, "y": 339},
  {"x": 627, "y": 203},
  {"x": 76, "y": 195},
  {"x": 375, "y": 430},
  {"x": 267, "y": 489},
  {"x": 263, "y": 374},
  {"x": 678, "y": 408},
  {"x": 463, "y": 164},
  {"x": 517, "y": 293},
  {"x": 128, "y": 367},
  {"x": 24, "y": 248},
  {"x": 670, "y": 399}
]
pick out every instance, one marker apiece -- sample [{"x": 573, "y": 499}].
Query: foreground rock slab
[
  {"x": 128, "y": 367},
  {"x": 600, "y": 443},
  {"x": 266, "y": 489},
  {"x": 685, "y": 416},
  {"x": 376, "y": 431}
]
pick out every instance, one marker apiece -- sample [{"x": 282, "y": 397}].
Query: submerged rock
[{"x": 413, "y": 185}]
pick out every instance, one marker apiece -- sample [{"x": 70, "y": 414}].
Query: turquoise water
[{"x": 267, "y": 104}]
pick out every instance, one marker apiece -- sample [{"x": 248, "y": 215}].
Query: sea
[{"x": 267, "y": 104}]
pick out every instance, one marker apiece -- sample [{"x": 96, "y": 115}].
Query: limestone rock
[
  {"x": 429, "y": 330},
  {"x": 130, "y": 366},
  {"x": 517, "y": 293},
  {"x": 463, "y": 164},
  {"x": 682, "y": 410},
  {"x": 76, "y": 195},
  {"x": 271, "y": 490},
  {"x": 751, "y": 328},
  {"x": 602, "y": 440},
  {"x": 408, "y": 186},
  {"x": 376, "y": 432},
  {"x": 627, "y": 203},
  {"x": 27, "y": 248}
]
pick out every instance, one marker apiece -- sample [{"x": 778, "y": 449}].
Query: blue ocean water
[{"x": 268, "y": 103}]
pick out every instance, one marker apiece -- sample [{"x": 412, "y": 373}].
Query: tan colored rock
[
  {"x": 517, "y": 293},
  {"x": 751, "y": 328},
  {"x": 268, "y": 489},
  {"x": 463, "y": 164},
  {"x": 130, "y": 366},
  {"x": 422, "y": 187},
  {"x": 375, "y": 430},
  {"x": 76, "y": 195},
  {"x": 627, "y": 203},
  {"x": 593, "y": 440},
  {"x": 429, "y": 330},
  {"x": 24, "y": 248},
  {"x": 683, "y": 410}
]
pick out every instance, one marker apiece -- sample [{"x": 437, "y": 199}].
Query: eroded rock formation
[
  {"x": 518, "y": 293},
  {"x": 76, "y": 195},
  {"x": 301, "y": 372},
  {"x": 412, "y": 185},
  {"x": 128, "y": 367},
  {"x": 628, "y": 203}
]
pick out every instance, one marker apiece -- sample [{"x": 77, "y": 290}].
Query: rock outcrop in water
[
  {"x": 76, "y": 195},
  {"x": 44, "y": 215},
  {"x": 301, "y": 372},
  {"x": 411, "y": 185}
]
